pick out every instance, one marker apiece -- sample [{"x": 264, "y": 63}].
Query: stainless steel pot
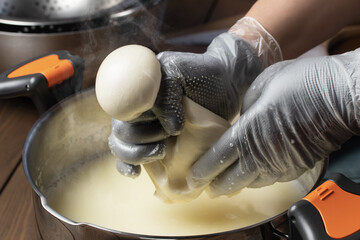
[
  {"x": 27, "y": 34},
  {"x": 76, "y": 130}
]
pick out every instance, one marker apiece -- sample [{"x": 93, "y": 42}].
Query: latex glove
[
  {"x": 296, "y": 113},
  {"x": 216, "y": 79}
]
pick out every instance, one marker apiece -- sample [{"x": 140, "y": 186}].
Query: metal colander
[
  {"x": 55, "y": 16},
  {"x": 57, "y": 9}
]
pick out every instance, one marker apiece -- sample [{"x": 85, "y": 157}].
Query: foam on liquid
[{"x": 98, "y": 194}]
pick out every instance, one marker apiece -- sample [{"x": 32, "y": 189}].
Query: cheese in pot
[{"x": 99, "y": 195}]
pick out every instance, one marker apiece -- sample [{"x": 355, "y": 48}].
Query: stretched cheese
[{"x": 202, "y": 129}]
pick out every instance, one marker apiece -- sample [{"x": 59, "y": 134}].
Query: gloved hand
[
  {"x": 295, "y": 114},
  {"x": 216, "y": 79}
]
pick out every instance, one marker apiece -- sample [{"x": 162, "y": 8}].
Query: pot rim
[{"x": 83, "y": 93}]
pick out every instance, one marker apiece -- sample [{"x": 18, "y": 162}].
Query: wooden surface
[{"x": 17, "y": 220}]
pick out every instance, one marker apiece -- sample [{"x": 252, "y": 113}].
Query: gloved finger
[
  {"x": 233, "y": 179},
  {"x": 269, "y": 177},
  {"x": 252, "y": 94},
  {"x": 168, "y": 106},
  {"x": 257, "y": 87},
  {"x": 136, "y": 154},
  {"x": 128, "y": 170},
  {"x": 244, "y": 172},
  {"x": 260, "y": 181},
  {"x": 222, "y": 154},
  {"x": 168, "y": 64},
  {"x": 139, "y": 132}
]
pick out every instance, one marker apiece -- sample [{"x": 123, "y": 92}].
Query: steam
[
  {"x": 142, "y": 27},
  {"x": 134, "y": 25}
]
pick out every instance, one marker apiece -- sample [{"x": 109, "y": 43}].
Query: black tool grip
[{"x": 46, "y": 79}]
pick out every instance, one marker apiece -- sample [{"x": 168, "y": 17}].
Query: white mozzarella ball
[{"x": 128, "y": 81}]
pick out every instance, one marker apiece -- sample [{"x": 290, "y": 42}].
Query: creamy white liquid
[{"x": 98, "y": 194}]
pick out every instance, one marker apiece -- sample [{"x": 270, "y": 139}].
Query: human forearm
[{"x": 300, "y": 25}]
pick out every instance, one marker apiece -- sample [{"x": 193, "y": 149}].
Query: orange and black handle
[
  {"x": 45, "y": 79},
  {"x": 331, "y": 211}
]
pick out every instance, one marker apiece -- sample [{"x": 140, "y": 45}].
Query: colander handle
[{"x": 45, "y": 79}]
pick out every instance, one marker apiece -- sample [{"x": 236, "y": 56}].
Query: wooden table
[{"x": 17, "y": 220}]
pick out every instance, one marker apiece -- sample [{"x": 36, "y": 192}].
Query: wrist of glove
[
  {"x": 264, "y": 44},
  {"x": 295, "y": 114}
]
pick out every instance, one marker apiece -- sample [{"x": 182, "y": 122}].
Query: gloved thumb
[
  {"x": 168, "y": 107},
  {"x": 256, "y": 88}
]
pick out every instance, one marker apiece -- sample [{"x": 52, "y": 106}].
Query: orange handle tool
[
  {"x": 45, "y": 79},
  {"x": 331, "y": 211}
]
